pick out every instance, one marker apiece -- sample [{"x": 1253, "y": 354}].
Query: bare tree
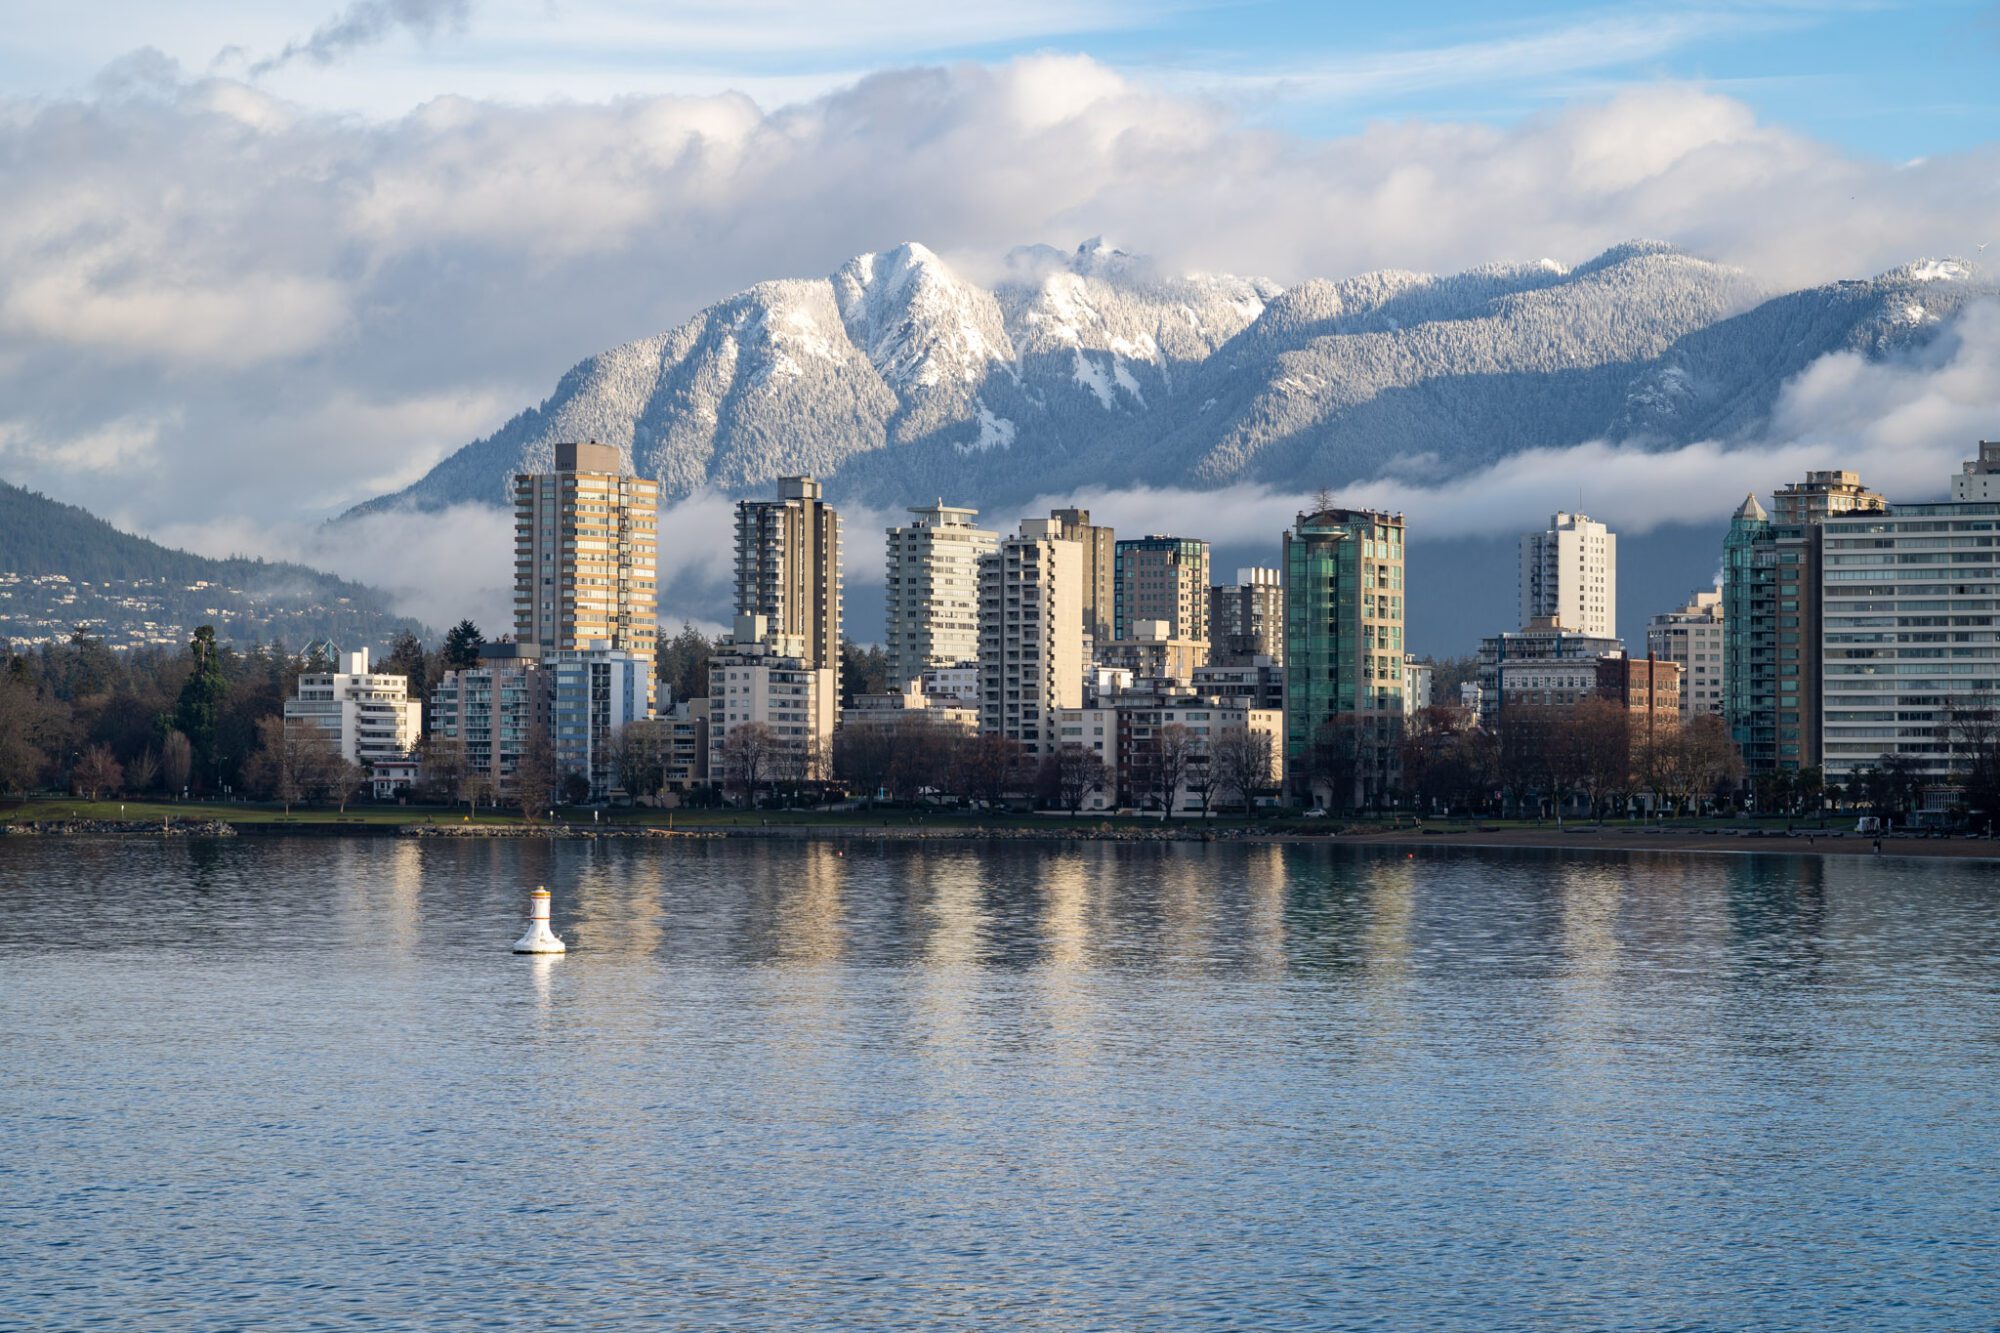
[
  {"x": 176, "y": 762},
  {"x": 1079, "y": 771},
  {"x": 1169, "y": 756},
  {"x": 96, "y": 773},
  {"x": 144, "y": 770},
  {"x": 749, "y": 754},
  {"x": 444, "y": 764},
  {"x": 1972, "y": 729},
  {"x": 1241, "y": 762},
  {"x": 290, "y": 762},
  {"x": 535, "y": 773},
  {"x": 990, "y": 766}
]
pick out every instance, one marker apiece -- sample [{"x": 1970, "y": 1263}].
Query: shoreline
[{"x": 1608, "y": 838}]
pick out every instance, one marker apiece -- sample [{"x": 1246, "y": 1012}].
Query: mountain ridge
[
  {"x": 896, "y": 375},
  {"x": 41, "y": 538}
]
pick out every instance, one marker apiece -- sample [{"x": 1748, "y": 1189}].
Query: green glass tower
[
  {"x": 1750, "y": 635},
  {"x": 1343, "y": 592},
  {"x": 1771, "y": 582}
]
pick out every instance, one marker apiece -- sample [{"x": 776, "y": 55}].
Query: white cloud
[{"x": 311, "y": 306}]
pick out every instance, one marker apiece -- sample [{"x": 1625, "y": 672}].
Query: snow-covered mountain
[{"x": 896, "y": 377}]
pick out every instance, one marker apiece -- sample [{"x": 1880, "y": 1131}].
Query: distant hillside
[
  {"x": 896, "y": 377},
  {"x": 61, "y": 566}
]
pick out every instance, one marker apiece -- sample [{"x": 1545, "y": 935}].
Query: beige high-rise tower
[
  {"x": 1099, "y": 571},
  {"x": 586, "y": 553},
  {"x": 788, "y": 568}
]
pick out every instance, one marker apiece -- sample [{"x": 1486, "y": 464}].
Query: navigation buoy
[{"x": 539, "y": 939}]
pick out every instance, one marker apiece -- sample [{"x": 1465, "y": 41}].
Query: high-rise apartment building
[
  {"x": 1031, "y": 657},
  {"x": 1163, "y": 579},
  {"x": 1100, "y": 560},
  {"x": 598, "y": 691},
  {"x": 1771, "y": 619},
  {"x": 1692, "y": 637},
  {"x": 1246, "y": 619},
  {"x": 933, "y": 590},
  {"x": 1569, "y": 574},
  {"x": 788, "y": 568},
  {"x": 491, "y": 708},
  {"x": 1909, "y": 639},
  {"x": 585, "y": 553},
  {"x": 1343, "y": 654}
]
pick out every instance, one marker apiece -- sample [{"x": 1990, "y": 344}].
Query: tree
[
  {"x": 176, "y": 761},
  {"x": 1079, "y": 771},
  {"x": 639, "y": 758},
  {"x": 1972, "y": 730},
  {"x": 96, "y": 774},
  {"x": 1168, "y": 756},
  {"x": 1330, "y": 767},
  {"x": 682, "y": 662},
  {"x": 443, "y": 766},
  {"x": 1596, "y": 737},
  {"x": 144, "y": 771},
  {"x": 990, "y": 766},
  {"x": 408, "y": 660},
  {"x": 1240, "y": 763},
  {"x": 300, "y": 763},
  {"x": 33, "y": 726},
  {"x": 198, "y": 712},
  {"x": 863, "y": 671},
  {"x": 749, "y": 754},
  {"x": 461, "y": 647},
  {"x": 535, "y": 773}
]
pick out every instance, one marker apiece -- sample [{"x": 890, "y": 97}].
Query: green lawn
[{"x": 57, "y": 808}]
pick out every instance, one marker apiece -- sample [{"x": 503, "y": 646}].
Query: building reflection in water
[{"x": 1265, "y": 884}]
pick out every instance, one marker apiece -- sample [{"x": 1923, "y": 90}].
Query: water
[{"x": 302, "y": 1084}]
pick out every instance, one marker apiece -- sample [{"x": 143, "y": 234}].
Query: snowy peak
[
  {"x": 1932, "y": 270},
  {"x": 897, "y": 376},
  {"x": 919, "y": 324}
]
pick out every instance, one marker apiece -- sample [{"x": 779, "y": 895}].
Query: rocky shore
[{"x": 158, "y": 828}]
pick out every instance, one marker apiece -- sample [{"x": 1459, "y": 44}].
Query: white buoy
[{"x": 539, "y": 939}]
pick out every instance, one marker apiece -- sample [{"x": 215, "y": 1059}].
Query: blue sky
[{"x": 1897, "y": 81}]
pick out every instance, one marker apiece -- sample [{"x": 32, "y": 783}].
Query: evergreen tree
[
  {"x": 461, "y": 646},
  {"x": 198, "y": 714},
  {"x": 408, "y": 660}
]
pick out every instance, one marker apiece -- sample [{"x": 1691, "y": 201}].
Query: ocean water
[{"x": 303, "y": 1084}]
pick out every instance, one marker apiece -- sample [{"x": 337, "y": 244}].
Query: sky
[{"x": 259, "y": 262}]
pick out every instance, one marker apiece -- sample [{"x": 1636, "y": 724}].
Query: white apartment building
[
  {"x": 1417, "y": 678},
  {"x": 757, "y": 676},
  {"x": 932, "y": 588},
  {"x": 1569, "y": 574},
  {"x": 1694, "y": 637},
  {"x": 1031, "y": 656},
  {"x": 370, "y": 717},
  {"x": 1908, "y": 603}
]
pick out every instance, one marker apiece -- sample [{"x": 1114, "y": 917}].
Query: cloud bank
[{"x": 215, "y": 303}]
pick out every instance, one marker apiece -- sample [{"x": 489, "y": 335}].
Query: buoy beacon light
[{"x": 539, "y": 939}]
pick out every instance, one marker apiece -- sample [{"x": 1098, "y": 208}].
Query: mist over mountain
[{"x": 897, "y": 378}]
